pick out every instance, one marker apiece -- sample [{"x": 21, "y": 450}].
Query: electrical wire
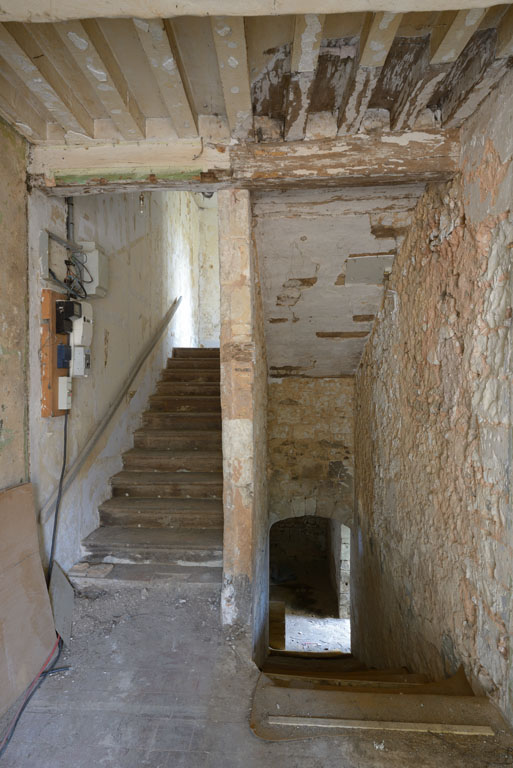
[
  {"x": 46, "y": 670},
  {"x": 58, "y": 502}
]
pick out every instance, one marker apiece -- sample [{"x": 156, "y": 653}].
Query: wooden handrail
[{"x": 71, "y": 473}]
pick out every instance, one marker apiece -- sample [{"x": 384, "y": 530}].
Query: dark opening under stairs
[{"x": 165, "y": 517}]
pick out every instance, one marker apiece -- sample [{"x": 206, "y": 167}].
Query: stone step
[
  {"x": 179, "y": 546},
  {"x": 186, "y": 388},
  {"x": 162, "y": 513},
  {"x": 166, "y": 420},
  {"x": 191, "y": 364},
  {"x": 195, "y": 352},
  {"x": 280, "y": 712},
  {"x": 89, "y": 575},
  {"x": 185, "y": 404},
  {"x": 173, "y": 461},
  {"x": 198, "y": 485},
  {"x": 179, "y": 440},
  {"x": 196, "y": 376}
]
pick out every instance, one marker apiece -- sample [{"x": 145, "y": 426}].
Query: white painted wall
[{"x": 154, "y": 257}]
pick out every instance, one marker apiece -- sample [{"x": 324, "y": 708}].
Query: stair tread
[
  {"x": 155, "y": 538},
  {"x": 85, "y": 573},
  {"x": 159, "y": 453},
  {"x": 167, "y": 503},
  {"x": 176, "y": 432},
  {"x": 140, "y": 477}
]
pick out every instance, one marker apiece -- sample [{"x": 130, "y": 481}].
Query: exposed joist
[
  {"x": 21, "y": 107},
  {"x": 64, "y": 90},
  {"x": 30, "y": 75},
  {"x": 448, "y": 43},
  {"x": 89, "y": 48},
  {"x": 304, "y": 57},
  {"x": 377, "y": 36},
  {"x": 157, "y": 39},
  {"x": 471, "y": 79},
  {"x": 505, "y": 35},
  {"x": 230, "y": 44},
  {"x": 50, "y": 43},
  {"x": 354, "y": 160}
]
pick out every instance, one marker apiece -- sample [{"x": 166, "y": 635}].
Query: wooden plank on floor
[{"x": 382, "y": 725}]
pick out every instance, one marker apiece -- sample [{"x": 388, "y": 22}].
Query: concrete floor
[
  {"x": 156, "y": 682},
  {"x": 314, "y": 634}
]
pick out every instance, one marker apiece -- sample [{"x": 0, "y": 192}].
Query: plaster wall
[
  {"x": 209, "y": 288},
  {"x": 14, "y": 466},
  {"x": 323, "y": 257},
  {"x": 432, "y": 537},
  {"x": 153, "y": 256},
  {"x": 310, "y": 448}
]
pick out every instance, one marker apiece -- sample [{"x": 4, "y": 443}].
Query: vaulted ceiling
[{"x": 257, "y": 78}]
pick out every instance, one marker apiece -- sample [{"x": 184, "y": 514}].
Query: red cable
[{"x": 29, "y": 691}]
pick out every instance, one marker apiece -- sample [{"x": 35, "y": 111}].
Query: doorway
[{"x": 309, "y": 586}]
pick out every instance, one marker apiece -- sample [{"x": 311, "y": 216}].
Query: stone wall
[
  {"x": 14, "y": 465},
  {"x": 243, "y": 397},
  {"x": 433, "y": 533},
  {"x": 310, "y": 447}
]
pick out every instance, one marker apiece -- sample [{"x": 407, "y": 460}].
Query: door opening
[{"x": 309, "y": 586}]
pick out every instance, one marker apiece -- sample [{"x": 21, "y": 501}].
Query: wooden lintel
[
  {"x": 360, "y": 160},
  {"x": 28, "y": 43},
  {"x": 230, "y": 44},
  {"x": 448, "y": 43},
  {"x": 163, "y": 57}
]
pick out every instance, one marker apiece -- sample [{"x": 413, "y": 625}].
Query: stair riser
[
  {"x": 152, "y": 555},
  {"x": 171, "y": 490},
  {"x": 163, "y": 420},
  {"x": 155, "y": 519},
  {"x": 174, "y": 463},
  {"x": 204, "y": 442},
  {"x": 176, "y": 364},
  {"x": 194, "y": 376},
  {"x": 184, "y": 389},
  {"x": 184, "y": 404},
  {"x": 183, "y": 352}
]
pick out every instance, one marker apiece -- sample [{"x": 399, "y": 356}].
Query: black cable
[
  {"x": 12, "y": 727},
  {"x": 58, "y": 502}
]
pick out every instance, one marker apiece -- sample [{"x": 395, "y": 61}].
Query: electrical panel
[
  {"x": 96, "y": 269},
  {"x": 80, "y": 361},
  {"x": 65, "y": 313},
  {"x": 64, "y": 395},
  {"x": 82, "y": 327}
]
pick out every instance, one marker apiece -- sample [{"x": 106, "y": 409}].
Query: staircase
[
  {"x": 165, "y": 517},
  {"x": 300, "y": 695}
]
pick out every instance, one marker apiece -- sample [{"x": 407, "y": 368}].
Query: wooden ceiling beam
[
  {"x": 473, "y": 76},
  {"x": 505, "y": 35},
  {"x": 306, "y": 45},
  {"x": 448, "y": 42},
  {"x": 89, "y": 48},
  {"x": 377, "y": 36},
  {"x": 157, "y": 40},
  {"x": 232, "y": 57},
  {"x": 19, "y": 111},
  {"x": 65, "y": 91},
  {"x": 32, "y": 78}
]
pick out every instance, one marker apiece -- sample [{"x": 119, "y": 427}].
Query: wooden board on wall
[
  {"x": 27, "y": 632},
  {"x": 49, "y": 341}
]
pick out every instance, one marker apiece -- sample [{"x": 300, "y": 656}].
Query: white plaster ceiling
[{"x": 322, "y": 258}]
